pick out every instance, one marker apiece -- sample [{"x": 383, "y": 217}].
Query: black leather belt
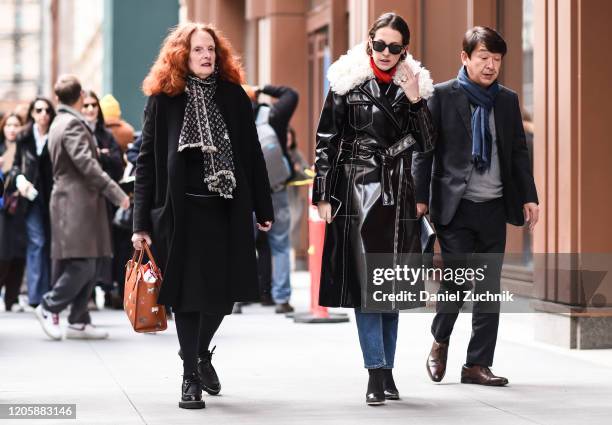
[{"x": 386, "y": 157}]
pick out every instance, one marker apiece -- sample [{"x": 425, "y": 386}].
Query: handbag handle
[
  {"x": 150, "y": 255},
  {"x": 140, "y": 253}
]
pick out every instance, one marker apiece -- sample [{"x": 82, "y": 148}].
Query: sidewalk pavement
[{"x": 274, "y": 371}]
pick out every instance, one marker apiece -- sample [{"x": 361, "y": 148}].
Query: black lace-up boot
[
  {"x": 191, "y": 393},
  {"x": 208, "y": 375}
]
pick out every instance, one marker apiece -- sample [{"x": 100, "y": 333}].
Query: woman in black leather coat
[{"x": 374, "y": 116}]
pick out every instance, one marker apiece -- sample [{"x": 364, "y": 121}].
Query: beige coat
[{"x": 79, "y": 216}]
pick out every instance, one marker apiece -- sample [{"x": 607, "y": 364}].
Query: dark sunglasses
[
  {"x": 90, "y": 105},
  {"x": 41, "y": 110},
  {"x": 380, "y": 46}
]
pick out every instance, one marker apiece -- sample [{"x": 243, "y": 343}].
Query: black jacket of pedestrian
[
  {"x": 441, "y": 176},
  {"x": 112, "y": 162},
  {"x": 281, "y": 111},
  {"x": 37, "y": 169},
  {"x": 159, "y": 197},
  {"x": 133, "y": 151},
  {"x": 12, "y": 226}
]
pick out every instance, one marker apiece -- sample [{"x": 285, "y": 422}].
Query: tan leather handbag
[{"x": 142, "y": 285}]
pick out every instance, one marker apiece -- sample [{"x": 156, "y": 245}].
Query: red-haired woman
[{"x": 200, "y": 175}]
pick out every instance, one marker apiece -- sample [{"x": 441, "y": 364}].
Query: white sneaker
[
  {"x": 49, "y": 322},
  {"x": 84, "y": 331},
  {"x": 16, "y": 308}
]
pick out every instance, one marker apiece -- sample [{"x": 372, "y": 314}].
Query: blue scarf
[{"x": 483, "y": 99}]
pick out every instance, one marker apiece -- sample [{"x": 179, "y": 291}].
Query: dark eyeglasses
[
  {"x": 41, "y": 110},
  {"x": 380, "y": 46},
  {"x": 90, "y": 105}
]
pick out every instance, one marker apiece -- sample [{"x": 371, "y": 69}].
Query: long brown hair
[
  {"x": 168, "y": 73},
  {"x": 4, "y": 120}
]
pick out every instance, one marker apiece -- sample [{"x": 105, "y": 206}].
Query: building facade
[{"x": 24, "y": 49}]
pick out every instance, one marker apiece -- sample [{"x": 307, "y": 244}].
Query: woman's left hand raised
[
  {"x": 409, "y": 81},
  {"x": 264, "y": 227}
]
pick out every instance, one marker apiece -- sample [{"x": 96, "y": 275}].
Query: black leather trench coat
[{"x": 365, "y": 141}]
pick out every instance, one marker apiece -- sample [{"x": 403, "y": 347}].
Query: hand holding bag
[{"x": 142, "y": 285}]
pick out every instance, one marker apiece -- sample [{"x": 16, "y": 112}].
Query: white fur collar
[{"x": 353, "y": 68}]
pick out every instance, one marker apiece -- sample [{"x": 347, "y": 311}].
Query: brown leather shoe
[
  {"x": 284, "y": 308},
  {"x": 436, "y": 361},
  {"x": 481, "y": 375}
]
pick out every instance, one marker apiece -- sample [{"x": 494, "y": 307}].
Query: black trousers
[
  {"x": 195, "y": 330},
  {"x": 264, "y": 263},
  {"x": 11, "y": 275},
  {"x": 476, "y": 228}
]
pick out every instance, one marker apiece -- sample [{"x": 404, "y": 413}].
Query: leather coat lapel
[
  {"x": 372, "y": 90},
  {"x": 397, "y": 94}
]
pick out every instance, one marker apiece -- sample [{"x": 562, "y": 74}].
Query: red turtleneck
[{"x": 382, "y": 76}]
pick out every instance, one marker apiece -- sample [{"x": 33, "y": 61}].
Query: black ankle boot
[
  {"x": 375, "y": 394},
  {"x": 191, "y": 397},
  {"x": 391, "y": 391},
  {"x": 207, "y": 374}
]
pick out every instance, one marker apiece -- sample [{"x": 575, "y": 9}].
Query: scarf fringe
[
  {"x": 216, "y": 179},
  {"x": 188, "y": 145},
  {"x": 203, "y": 147}
]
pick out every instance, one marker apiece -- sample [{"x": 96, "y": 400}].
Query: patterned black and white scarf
[{"x": 204, "y": 128}]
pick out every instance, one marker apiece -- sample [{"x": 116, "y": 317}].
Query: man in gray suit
[{"x": 80, "y": 234}]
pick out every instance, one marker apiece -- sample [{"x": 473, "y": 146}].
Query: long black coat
[
  {"x": 441, "y": 176},
  {"x": 112, "y": 163},
  {"x": 13, "y": 238},
  {"x": 37, "y": 169},
  {"x": 160, "y": 189},
  {"x": 365, "y": 141}
]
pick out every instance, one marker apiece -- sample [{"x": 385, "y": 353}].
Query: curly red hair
[{"x": 167, "y": 75}]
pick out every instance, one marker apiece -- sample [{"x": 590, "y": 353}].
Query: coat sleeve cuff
[
  {"x": 263, "y": 216},
  {"x": 422, "y": 197},
  {"x": 139, "y": 226},
  {"x": 141, "y": 222},
  {"x": 320, "y": 191},
  {"x": 418, "y": 105},
  {"x": 113, "y": 193}
]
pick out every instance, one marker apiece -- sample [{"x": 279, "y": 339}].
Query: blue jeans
[
  {"x": 37, "y": 253},
  {"x": 377, "y": 337},
  {"x": 280, "y": 247}
]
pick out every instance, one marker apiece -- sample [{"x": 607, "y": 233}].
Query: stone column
[{"x": 573, "y": 173}]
